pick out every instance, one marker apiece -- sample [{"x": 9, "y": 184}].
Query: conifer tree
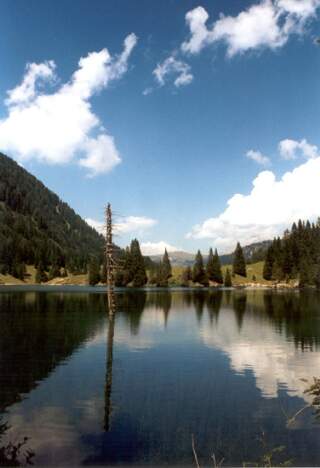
[
  {"x": 94, "y": 274},
  {"x": 227, "y": 279},
  {"x": 127, "y": 267},
  {"x": 160, "y": 280},
  {"x": 166, "y": 266},
  {"x": 268, "y": 264},
  {"x": 54, "y": 272},
  {"x": 118, "y": 278},
  {"x": 21, "y": 271},
  {"x": 210, "y": 266},
  {"x": 239, "y": 263},
  {"x": 41, "y": 276},
  {"x": 277, "y": 271},
  {"x": 317, "y": 276},
  {"x": 138, "y": 269},
  {"x": 198, "y": 273},
  {"x": 103, "y": 275},
  {"x": 17, "y": 269},
  {"x": 217, "y": 273},
  {"x": 214, "y": 267},
  {"x": 153, "y": 275},
  {"x": 305, "y": 273},
  {"x": 186, "y": 276},
  {"x": 287, "y": 260}
]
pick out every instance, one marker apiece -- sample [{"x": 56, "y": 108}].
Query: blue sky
[{"x": 174, "y": 122}]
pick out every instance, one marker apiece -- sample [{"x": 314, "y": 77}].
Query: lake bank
[
  {"x": 103, "y": 288},
  {"x": 254, "y": 279}
]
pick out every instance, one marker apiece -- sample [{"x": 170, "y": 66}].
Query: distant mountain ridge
[{"x": 252, "y": 252}]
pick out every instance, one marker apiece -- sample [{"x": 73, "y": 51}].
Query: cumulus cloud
[
  {"x": 35, "y": 74},
  {"x": 291, "y": 149},
  {"x": 303, "y": 9},
  {"x": 196, "y": 20},
  {"x": 59, "y": 127},
  {"x": 265, "y": 24},
  {"x": 101, "y": 155},
  {"x": 274, "y": 361},
  {"x": 134, "y": 224},
  {"x": 157, "y": 248},
  {"x": 173, "y": 67},
  {"x": 258, "y": 157},
  {"x": 97, "y": 225},
  {"x": 128, "y": 224},
  {"x": 270, "y": 207}
]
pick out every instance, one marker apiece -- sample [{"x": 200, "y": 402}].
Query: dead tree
[{"x": 110, "y": 261}]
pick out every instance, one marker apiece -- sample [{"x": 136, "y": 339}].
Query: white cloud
[
  {"x": 265, "y": 24},
  {"x": 258, "y": 157},
  {"x": 101, "y": 155},
  {"x": 196, "y": 20},
  {"x": 291, "y": 149},
  {"x": 147, "y": 91},
  {"x": 256, "y": 27},
  {"x": 97, "y": 225},
  {"x": 157, "y": 248},
  {"x": 270, "y": 207},
  {"x": 128, "y": 224},
  {"x": 173, "y": 67},
  {"x": 303, "y": 9},
  {"x": 57, "y": 128},
  {"x": 134, "y": 224},
  {"x": 33, "y": 76},
  {"x": 274, "y": 361}
]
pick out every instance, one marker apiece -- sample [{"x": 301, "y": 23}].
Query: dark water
[{"x": 223, "y": 366}]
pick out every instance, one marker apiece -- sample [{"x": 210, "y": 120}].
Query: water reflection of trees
[
  {"x": 214, "y": 302},
  {"x": 314, "y": 391},
  {"x": 37, "y": 332},
  {"x": 112, "y": 308},
  {"x": 131, "y": 304},
  {"x": 291, "y": 313},
  {"x": 296, "y": 315},
  {"x": 239, "y": 304},
  {"x": 199, "y": 299},
  {"x": 161, "y": 300},
  {"x": 14, "y": 453}
]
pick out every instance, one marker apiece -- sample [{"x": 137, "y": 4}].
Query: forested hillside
[{"x": 36, "y": 227}]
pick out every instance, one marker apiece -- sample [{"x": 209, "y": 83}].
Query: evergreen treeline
[
  {"x": 296, "y": 255},
  {"x": 131, "y": 268},
  {"x": 162, "y": 272},
  {"x": 37, "y": 228},
  {"x": 239, "y": 263},
  {"x": 204, "y": 274}
]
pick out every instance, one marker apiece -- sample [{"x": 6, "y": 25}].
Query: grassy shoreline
[{"x": 253, "y": 280}]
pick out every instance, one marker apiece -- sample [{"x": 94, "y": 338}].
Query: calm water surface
[{"x": 225, "y": 366}]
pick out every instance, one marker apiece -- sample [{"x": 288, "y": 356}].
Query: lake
[{"x": 228, "y": 368}]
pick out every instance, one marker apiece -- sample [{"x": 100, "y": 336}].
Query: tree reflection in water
[
  {"x": 14, "y": 454},
  {"x": 109, "y": 359},
  {"x": 314, "y": 392}
]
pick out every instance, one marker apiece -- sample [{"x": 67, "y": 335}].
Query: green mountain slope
[{"x": 37, "y": 227}]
